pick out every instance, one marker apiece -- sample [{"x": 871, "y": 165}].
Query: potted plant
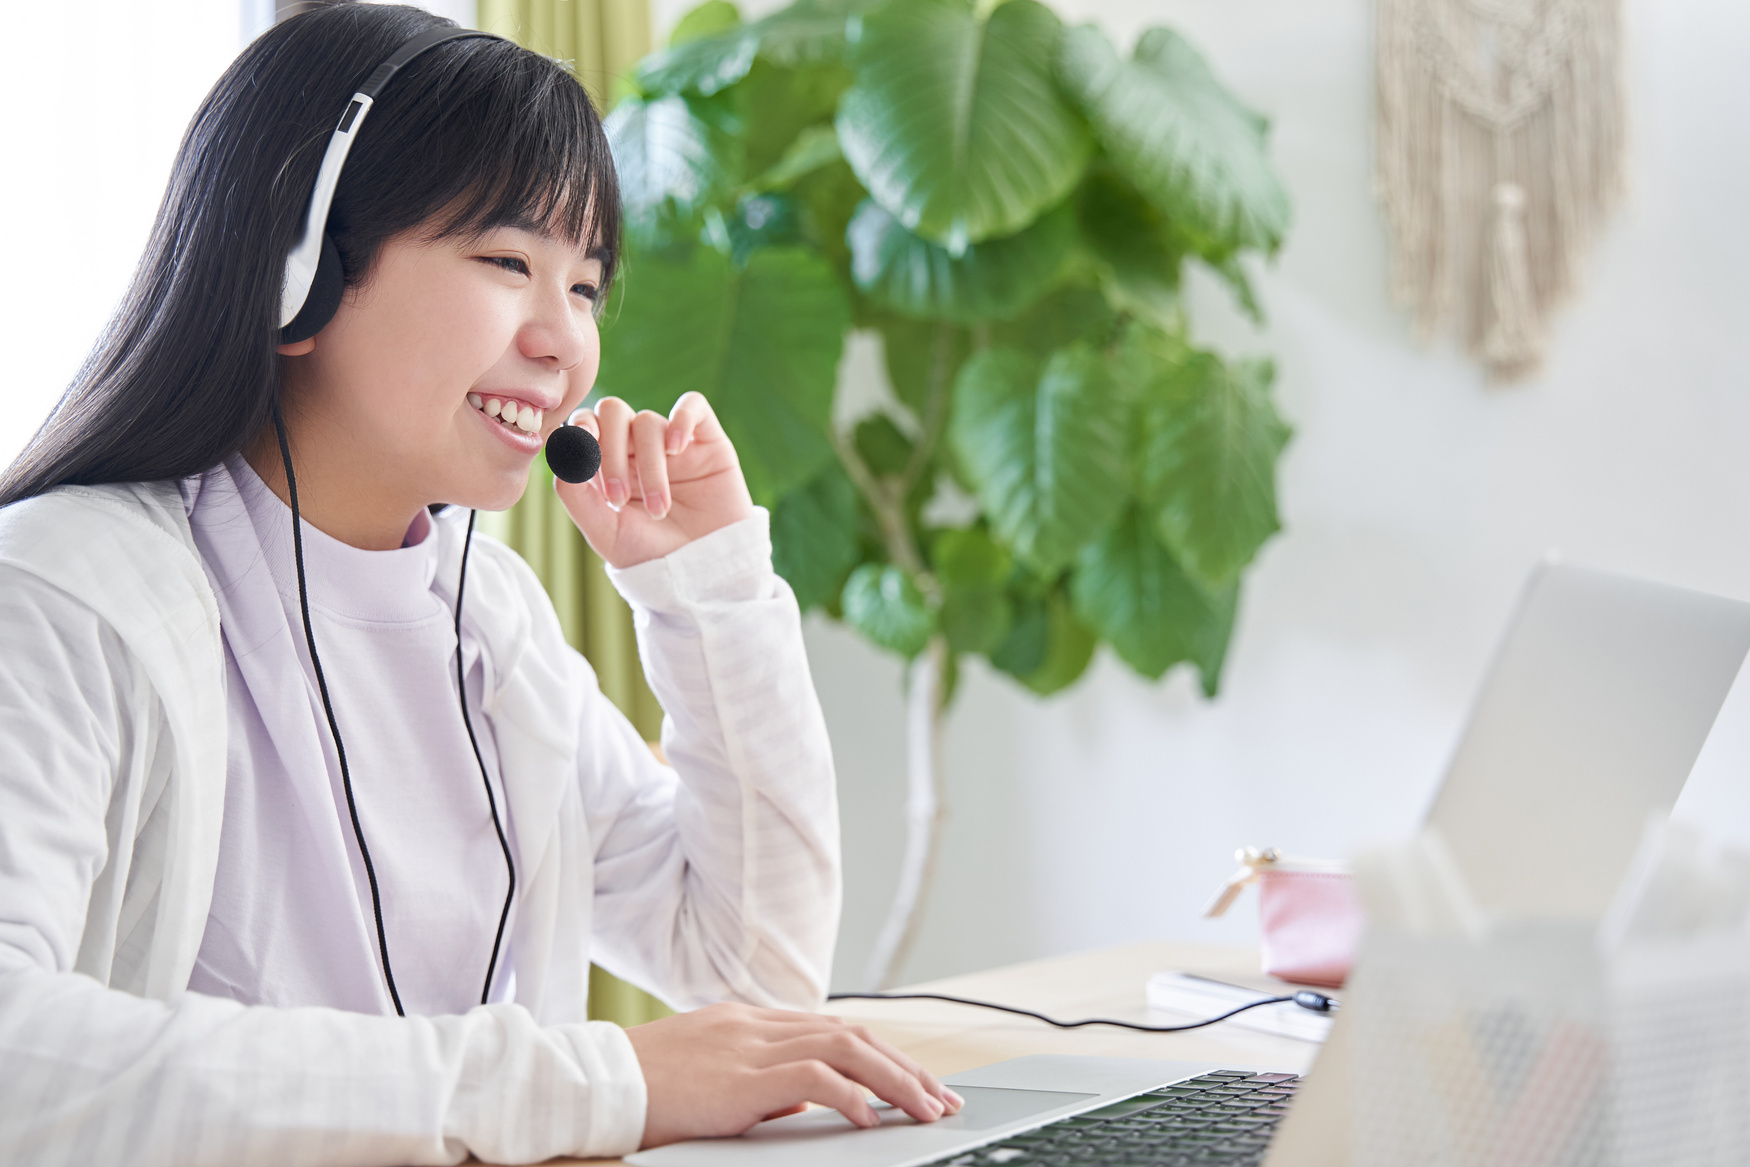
[{"x": 1008, "y": 205}]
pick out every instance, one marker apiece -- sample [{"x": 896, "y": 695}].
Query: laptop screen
[{"x": 1588, "y": 723}]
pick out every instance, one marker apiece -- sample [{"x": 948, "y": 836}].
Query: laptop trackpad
[{"x": 989, "y": 1106}]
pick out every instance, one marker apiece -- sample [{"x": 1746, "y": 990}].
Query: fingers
[
  {"x": 850, "y": 1055},
  {"x": 815, "y": 1022},
  {"x": 585, "y": 418},
  {"x": 614, "y": 423},
  {"x": 691, "y": 416},
  {"x": 648, "y": 431},
  {"x": 951, "y": 1101},
  {"x": 815, "y": 1081},
  {"x": 636, "y": 446},
  {"x": 722, "y": 1069}
]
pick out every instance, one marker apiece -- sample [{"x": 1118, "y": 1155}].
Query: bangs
[{"x": 509, "y": 139}]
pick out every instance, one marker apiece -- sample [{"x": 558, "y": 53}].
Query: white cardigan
[{"x": 721, "y": 883}]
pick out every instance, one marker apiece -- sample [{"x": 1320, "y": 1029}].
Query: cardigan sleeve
[
  {"x": 718, "y": 879},
  {"x": 93, "y": 1074}
]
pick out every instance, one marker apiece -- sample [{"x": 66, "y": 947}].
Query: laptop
[{"x": 1591, "y": 716}]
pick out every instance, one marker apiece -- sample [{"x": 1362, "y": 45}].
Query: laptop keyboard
[{"x": 1225, "y": 1118}]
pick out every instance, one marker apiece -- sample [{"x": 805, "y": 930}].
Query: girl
[{"x": 310, "y": 822}]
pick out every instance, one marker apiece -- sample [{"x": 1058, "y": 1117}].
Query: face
[{"x": 397, "y": 389}]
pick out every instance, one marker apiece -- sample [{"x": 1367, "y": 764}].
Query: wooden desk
[{"x": 947, "y": 1039}]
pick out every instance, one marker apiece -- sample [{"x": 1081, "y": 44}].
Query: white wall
[
  {"x": 1415, "y": 498},
  {"x": 97, "y": 96}
]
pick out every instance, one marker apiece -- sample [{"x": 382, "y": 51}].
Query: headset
[
  {"x": 314, "y": 280},
  {"x": 310, "y": 293}
]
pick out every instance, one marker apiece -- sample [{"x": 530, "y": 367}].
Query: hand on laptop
[{"x": 720, "y": 1070}]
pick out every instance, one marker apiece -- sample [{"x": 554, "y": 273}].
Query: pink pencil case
[{"x": 1308, "y": 913}]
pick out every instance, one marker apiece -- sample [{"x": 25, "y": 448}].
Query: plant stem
[
  {"x": 889, "y": 508},
  {"x": 924, "y": 806},
  {"x": 925, "y": 811}
]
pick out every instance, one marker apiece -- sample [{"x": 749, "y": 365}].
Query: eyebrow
[{"x": 600, "y": 252}]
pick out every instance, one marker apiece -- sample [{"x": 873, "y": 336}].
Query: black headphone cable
[
  {"x": 279, "y": 426},
  {"x": 491, "y": 801},
  {"x": 1305, "y": 998}
]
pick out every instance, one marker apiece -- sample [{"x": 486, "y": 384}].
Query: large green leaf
[
  {"x": 673, "y": 151},
  {"x": 761, "y": 342},
  {"x": 1210, "y": 439},
  {"x": 990, "y": 280},
  {"x": 1129, "y": 589},
  {"x": 814, "y": 537},
  {"x": 704, "y": 66},
  {"x": 1172, "y": 129},
  {"x": 953, "y": 123},
  {"x": 1038, "y": 446},
  {"x": 883, "y": 603},
  {"x": 811, "y": 31},
  {"x": 777, "y": 104},
  {"x": 706, "y": 20},
  {"x": 811, "y": 149},
  {"x": 763, "y": 220},
  {"x": 1047, "y": 649},
  {"x": 715, "y": 55},
  {"x": 968, "y": 557},
  {"x": 1069, "y": 314},
  {"x": 1139, "y": 256},
  {"x": 884, "y": 448},
  {"x": 971, "y": 569},
  {"x": 912, "y": 349}
]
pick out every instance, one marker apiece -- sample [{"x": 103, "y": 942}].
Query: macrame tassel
[
  {"x": 1470, "y": 92},
  {"x": 1514, "y": 338}
]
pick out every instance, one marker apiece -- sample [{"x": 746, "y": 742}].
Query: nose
[{"x": 558, "y": 333}]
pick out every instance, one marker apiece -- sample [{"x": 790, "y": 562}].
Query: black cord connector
[{"x": 1305, "y": 998}]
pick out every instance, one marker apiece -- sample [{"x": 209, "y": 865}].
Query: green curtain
[{"x": 599, "y": 40}]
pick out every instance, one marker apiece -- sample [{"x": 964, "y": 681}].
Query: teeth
[{"x": 524, "y": 417}]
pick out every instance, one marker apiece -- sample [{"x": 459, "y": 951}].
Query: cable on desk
[{"x": 1306, "y": 999}]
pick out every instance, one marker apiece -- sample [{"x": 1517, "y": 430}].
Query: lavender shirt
[{"x": 291, "y": 920}]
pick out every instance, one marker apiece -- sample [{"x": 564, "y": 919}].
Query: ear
[{"x": 298, "y": 348}]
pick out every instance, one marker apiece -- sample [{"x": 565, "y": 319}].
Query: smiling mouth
[{"x": 510, "y": 414}]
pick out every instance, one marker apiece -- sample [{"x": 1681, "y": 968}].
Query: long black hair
[{"x": 472, "y": 135}]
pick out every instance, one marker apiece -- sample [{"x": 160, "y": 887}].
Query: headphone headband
[{"x": 314, "y": 263}]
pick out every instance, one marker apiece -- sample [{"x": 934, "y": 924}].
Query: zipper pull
[{"x": 1250, "y": 860}]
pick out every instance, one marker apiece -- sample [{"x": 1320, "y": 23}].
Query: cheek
[
  {"x": 456, "y": 338},
  {"x": 409, "y": 363}
]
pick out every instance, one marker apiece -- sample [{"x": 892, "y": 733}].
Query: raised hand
[
  {"x": 719, "y": 1070},
  {"x": 664, "y": 481}
]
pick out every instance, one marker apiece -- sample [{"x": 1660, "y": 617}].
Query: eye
[
  {"x": 588, "y": 291},
  {"x": 507, "y": 262}
]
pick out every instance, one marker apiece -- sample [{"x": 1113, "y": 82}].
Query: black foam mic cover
[{"x": 573, "y": 453}]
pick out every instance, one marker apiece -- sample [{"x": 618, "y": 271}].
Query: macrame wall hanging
[{"x": 1500, "y": 151}]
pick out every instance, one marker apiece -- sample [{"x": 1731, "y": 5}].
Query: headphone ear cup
[{"x": 324, "y": 298}]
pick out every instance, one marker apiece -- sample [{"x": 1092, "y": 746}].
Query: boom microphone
[{"x": 573, "y": 453}]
